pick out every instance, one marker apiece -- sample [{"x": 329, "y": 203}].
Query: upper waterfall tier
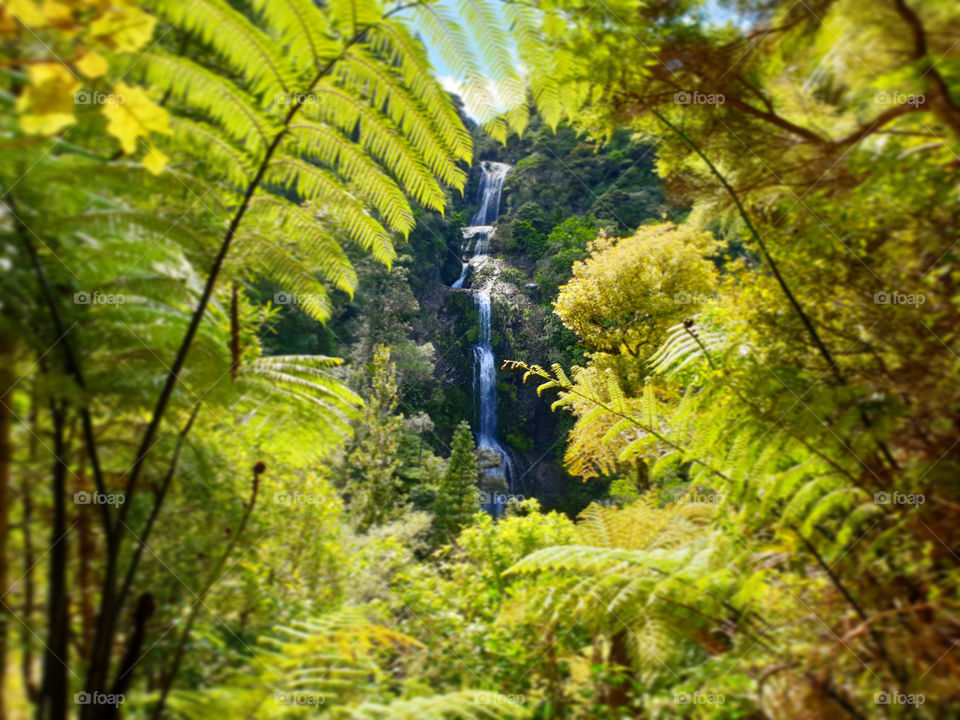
[{"x": 491, "y": 185}]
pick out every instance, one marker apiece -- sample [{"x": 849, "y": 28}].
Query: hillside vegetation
[{"x": 668, "y": 429}]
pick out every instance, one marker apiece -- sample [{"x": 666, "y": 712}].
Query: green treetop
[
  {"x": 456, "y": 500},
  {"x": 371, "y": 465}
]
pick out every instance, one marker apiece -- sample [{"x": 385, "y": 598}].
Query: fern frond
[
  {"x": 245, "y": 48},
  {"x": 234, "y": 164},
  {"x": 380, "y": 139},
  {"x": 322, "y": 144},
  {"x": 450, "y": 41},
  {"x": 289, "y": 272},
  {"x": 282, "y": 219},
  {"x": 524, "y": 24},
  {"x": 856, "y": 519},
  {"x": 408, "y": 57},
  {"x": 493, "y": 41},
  {"x": 362, "y": 73},
  {"x": 680, "y": 348},
  {"x": 839, "y": 502},
  {"x": 319, "y": 186},
  {"x": 304, "y": 30},
  {"x": 199, "y": 89},
  {"x": 133, "y": 224},
  {"x": 470, "y": 704}
]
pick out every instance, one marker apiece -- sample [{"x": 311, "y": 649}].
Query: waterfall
[
  {"x": 485, "y": 390},
  {"x": 479, "y": 232},
  {"x": 458, "y": 283},
  {"x": 491, "y": 183}
]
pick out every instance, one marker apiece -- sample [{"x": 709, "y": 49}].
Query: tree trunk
[
  {"x": 27, "y": 639},
  {"x": 85, "y": 577},
  {"x": 7, "y": 381},
  {"x": 53, "y": 699},
  {"x": 133, "y": 654},
  {"x": 27, "y": 668}
]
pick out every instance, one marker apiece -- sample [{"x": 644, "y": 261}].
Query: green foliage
[
  {"x": 624, "y": 570},
  {"x": 564, "y": 173},
  {"x": 463, "y": 704},
  {"x": 529, "y": 230},
  {"x": 495, "y": 546},
  {"x": 457, "y": 494},
  {"x": 773, "y": 401},
  {"x": 329, "y": 663},
  {"x": 621, "y": 296},
  {"x": 527, "y": 239},
  {"x": 566, "y": 244},
  {"x": 768, "y": 387},
  {"x": 346, "y": 123},
  {"x": 370, "y": 466}
]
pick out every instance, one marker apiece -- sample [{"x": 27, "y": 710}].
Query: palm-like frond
[
  {"x": 627, "y": 572},
  {"x": 470, "y": 704},
  {"x": 682, "y": 346},
  {"x": 242, "y": 45},
  {"x": 302, "y": 379},
  {"x": 326, "y": 662},
  {"x": 331, "y": 111}
]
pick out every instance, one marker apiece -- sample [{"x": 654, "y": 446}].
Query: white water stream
[{"x": 479, "y": 233}]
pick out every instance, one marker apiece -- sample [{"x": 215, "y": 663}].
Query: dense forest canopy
[{"x": 619, "y": 382}]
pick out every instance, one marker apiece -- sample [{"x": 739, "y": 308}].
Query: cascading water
[
  {"x": 479, "y": 232},
  {"x": 485, "y": 390},
  {"x": 458, "y": 283},
  {"x": 491, "y": 184}
]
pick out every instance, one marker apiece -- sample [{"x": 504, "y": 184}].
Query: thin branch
[
  {"x": 948, "y": 111},
  {"x": 70, "y": 362},
  {"x": 157, "y": 503},
  {"x": 775, "y": 269},
  {"x": 171, "y": 674},
  {"x": 877, "y": 639}
]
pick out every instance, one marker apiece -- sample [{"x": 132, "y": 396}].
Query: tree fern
[
  {"x": 682, "y": 346},
  {"x": 331, "y": 662},
  {"x": 634, "y": 566},
  {"x": 345, "y": 119},
  {"x": 470, "y": 704}
]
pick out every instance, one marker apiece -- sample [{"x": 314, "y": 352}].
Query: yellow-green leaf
[
  {"x": 47, "y": 104},
  {"x": 92, "y": 65},
  {"x": 124, "y": 27},
  {"x": 155, "y": 161},
  {"x": 133, "y": 115}
]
